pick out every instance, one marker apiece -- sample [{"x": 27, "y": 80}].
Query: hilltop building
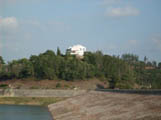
[{"x": 77, "y": 50}]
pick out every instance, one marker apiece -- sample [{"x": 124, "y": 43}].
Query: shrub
[
  {"x": 3, "y": 85},
  {"x": 58, "y": 85}
]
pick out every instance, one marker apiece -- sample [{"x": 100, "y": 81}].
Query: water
[{"x": 24, "y": 112}]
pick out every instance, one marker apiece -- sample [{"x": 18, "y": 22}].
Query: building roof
[{"x": 76, "y": 47}]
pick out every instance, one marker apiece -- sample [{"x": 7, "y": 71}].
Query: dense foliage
[{"x": 125, "y": 72}]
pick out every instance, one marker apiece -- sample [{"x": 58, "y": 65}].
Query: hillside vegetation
[{"x": 125, "y": 72}]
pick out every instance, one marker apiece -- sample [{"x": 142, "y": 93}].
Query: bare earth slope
[{"x": 108, "y": 106}]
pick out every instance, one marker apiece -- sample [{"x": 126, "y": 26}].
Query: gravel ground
[{"x": 96, "y": 105}]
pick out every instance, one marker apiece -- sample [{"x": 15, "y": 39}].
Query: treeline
[{"x": 126, "y": 71}]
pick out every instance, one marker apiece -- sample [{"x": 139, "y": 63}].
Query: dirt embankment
[
  {"x": 108, "y": 106},
  {"x": 54, "y": 84}
]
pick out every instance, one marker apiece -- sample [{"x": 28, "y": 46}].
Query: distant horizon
[{"x": 30, "y": 27}]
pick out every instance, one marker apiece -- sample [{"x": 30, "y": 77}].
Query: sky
[{"x": 30, "y": 27}]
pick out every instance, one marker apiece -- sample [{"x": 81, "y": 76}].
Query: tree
[
  {"x": 58, "y": 51},
  {"x": 44, "y": 65},
  {"x": 1, "y": 60},
  {"x": 22, "y": 68},
  {"x": 159, "y": 65},
  {"x": 49, "y": 53},
  {"x": 124, "y": 73},
  {"x": 113, "y": 80},
  {"x": 130, "y": 58},
  {"x": 27, "y": 68},
  {"x": 154, "y": 64},
  {"x": 149, "y": 64}
]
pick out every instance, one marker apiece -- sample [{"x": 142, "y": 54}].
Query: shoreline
[
  {"x": 31, "y": 101},
  {"x": 41, "y": 97},
  {"x": 37, "y": 101},
  {"x": 28, "y": 104}
]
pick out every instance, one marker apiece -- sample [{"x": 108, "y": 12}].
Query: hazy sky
[{"x": 113, "y": 26}]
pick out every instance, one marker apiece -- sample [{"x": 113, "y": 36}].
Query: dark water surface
[{"x": 24, "y": 112}]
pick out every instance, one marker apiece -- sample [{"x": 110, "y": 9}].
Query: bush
[
  {"x": 58, "y": 85},
  {"x": 3, "y": 85}
]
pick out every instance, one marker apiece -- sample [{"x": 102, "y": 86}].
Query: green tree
[
  {"x": 27, "y": 68},
  {"x": 149, "y": 64},
  {"x": 1, "y": 60},
  {"x": 123, "y": 73},
  {"x": 44, "y": 65},
  {"x": 154, "y": 64},
  {"x": 58, "y": 51},
  {"x": 22, "y": 68},
  {"x": 130, "y": 58},
  {"x": 159, "y": 65}
]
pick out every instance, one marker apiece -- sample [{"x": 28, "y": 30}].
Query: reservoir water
[{"x": 24, "y": 112}]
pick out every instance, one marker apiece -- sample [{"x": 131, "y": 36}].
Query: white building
[{"x": 76, "y": 50}]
